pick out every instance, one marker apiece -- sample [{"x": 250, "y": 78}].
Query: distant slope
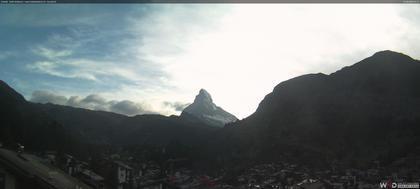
[
  {"x": 101, "y": 127},
  {"x": 203, "y": 109},
  {"x": 367, "y": 111}
]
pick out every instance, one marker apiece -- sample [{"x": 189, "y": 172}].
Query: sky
[{"x": 154, "y": 58}]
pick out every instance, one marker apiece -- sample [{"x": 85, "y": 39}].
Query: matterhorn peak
[
  {"x": 203, "y": 96},
  {"x": 205, "y": 110}
]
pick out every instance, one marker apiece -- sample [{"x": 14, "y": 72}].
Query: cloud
[
  {"x": 98, "y": 54},
  {"x": 48, "y": 97},
  {"x": 50, "y": 53},
  {"x": 177, "y": 106},
  {"x": 161, "y": 53},
  {"x": 72, "y": 101},
  {"x": 93, "y": 102},
  {"x": 82, "y": 69},
  {"x": 94, "y": 99},
  {"x": 129, "y": 59},
  {"x": 6, "y": 54},
  {"x": 258, "y": 46},
  {"x": 128, "y": 108}
]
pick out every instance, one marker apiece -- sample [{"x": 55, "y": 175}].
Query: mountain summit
[
  {"x": 203, "y": 97},
  {"x": 205, "y": 110}
]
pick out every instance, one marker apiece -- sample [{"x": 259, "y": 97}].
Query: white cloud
[
  {"x": 51, "y": 54},
  {"x": 257, "y": 46},
  {"x": 239, "y": 52},
  {"x": 82, "y": 68},
  {"x": 48, "y": 97}
]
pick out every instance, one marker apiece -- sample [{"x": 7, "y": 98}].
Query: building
[
  {"x": 92, "y": 179},
  {"x": 23, "y": 170},
  {"x": 124, "y": 175}
]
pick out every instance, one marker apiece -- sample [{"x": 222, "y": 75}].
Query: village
[{"x": 114, "y": 171}]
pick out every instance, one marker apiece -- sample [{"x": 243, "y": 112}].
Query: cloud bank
[{"x": 93, "y": 102}]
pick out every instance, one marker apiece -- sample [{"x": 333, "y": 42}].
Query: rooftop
[{"x": 32, "y": 167}]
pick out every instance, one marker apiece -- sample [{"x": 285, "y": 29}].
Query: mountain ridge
[{"x": 362, "y": 111}]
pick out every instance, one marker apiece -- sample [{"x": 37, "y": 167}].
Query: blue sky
[
  {"x": 140, "y": 58},
  {"x": 69, "y": 46}
]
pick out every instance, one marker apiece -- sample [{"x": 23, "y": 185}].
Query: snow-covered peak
[
  {"x": 205, "y": 110},
  {"x": 203, "y": 97}
]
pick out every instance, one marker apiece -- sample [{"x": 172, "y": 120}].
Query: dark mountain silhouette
[
  {"x": 9, "y": 95},
  {"x": 21, "y": 122},
  {"x": 204, "y": 110},
  {"x": 366, "y": 111},
  {"x": 101, "y": 127}
]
